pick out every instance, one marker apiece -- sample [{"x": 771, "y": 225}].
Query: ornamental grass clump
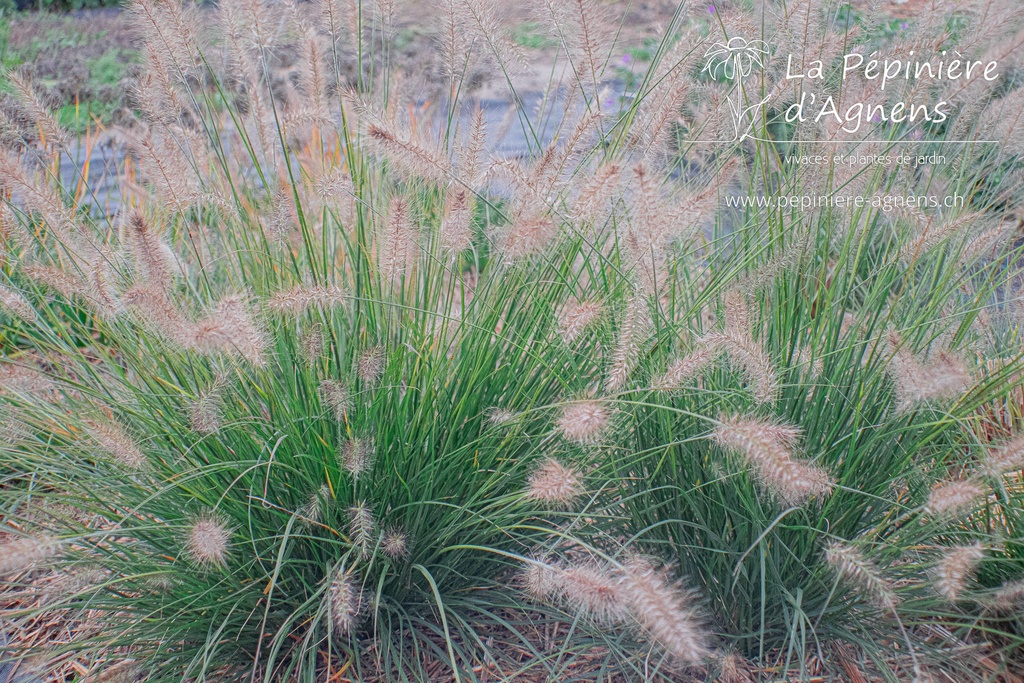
[{"x": 336, "y": 389}]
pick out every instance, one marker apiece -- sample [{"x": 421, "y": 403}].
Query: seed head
[
  {"x": 664, "y": 612},
  {"x": 1005, "y": 458},
  {"x": 943, "y": 378},
  {"x": 766, "y": 446},
  {"x": 301, "y": 298},
  {"x": 584, "y": 422},
  {"x": 633, "y": 331},
  {"x": 397, "y": 243},
  {"x": 954, "y": 498},
  {"x": 154, "y": 261},
  {"x": 230, "y": 328},
  {"x": 956, "y": 567},
  {"x": 554, "y": 484},
  {"x": 500, "y": 416},
  {"x": 35, "y": 110},
  {"x": 370, "y": 365},
  {"x": 595, "y": 192},
  {"x": 204, "y": 412},
  {"x": 851, "y": 565},
  {"x": 335, "y": 395},
  {"x": 16, "y": 305},
  {"x": 540, "y": 579},
  {"x": 23, "y": 379},
  {"x": 408, "y": 154},
  {"x": 313, "y": 510},
  {"x": 312, "y": 343},
  {"x": 158, "y": 312},
  {"x": 457, "y": 223},
  {"x": 591, "y": 591},
  {"x": 345, "y": 601},
  {"x": 112, "y": 438},
  {"x": 363, "y": 528},
  {"x": 71, "y": 583},
  {"x": 25, "y": 553},
  {"x": 577, "y": 317},
  {"x": 357, "y": 456},
  {"x": 748, "y": 356},
  {"x": 683, "y": 369},
  {"x": 208, "y": 541},
  {"x": 528, "y": 235},
  {"x": 395, "y": 544},
  {"x": 735, "y": 669},
  {"x": 1009, "y": 596},
  {"x": 57, "y": 280}
]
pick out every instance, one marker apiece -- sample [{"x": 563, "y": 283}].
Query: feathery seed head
[
  {"x": 554, "y": 484},
  {"x": 204, "y": 412},
  {"x": 851, "y": 565},
  {"x": 584, "y": 422},
  {"x": 363, "y": 528},
  {"x": 595, "y": 192},
  {"x": 397, "y": 243},
  {"x": 588, "y": 589},
  {"x": 664, "y": 612},
  {"x": 588, "y": 27},
  {"x": 1008, "y": 596},
  {"x": 16, "y": 305},
  {"x": 1007, "y": 457},
  {"x": 71, "y": 583},
  {"x": 539, "y": 579},
  {"x": 409, "y": 155},
  {"x": 312, "y": 343},
  {"x": 36, "y": 195},
  {"x": 27, "y": 552},
  {"x": 734, "y": 669},
  {"x": 592, "y": 591},
  {"x": 633, "y": 330},
  {"x": 154, "y": 261},
  {"x": 457, "y": 222},
  {"x": 337, "y": 19},
  {"x": 160, "y": 314},
  {"x": 477, "y": 18},
  {"x": 23, "y": 379},
  {"x": 500, "y": 416},
  {"x": 230, "y": 328},
  {"x": 748, "y": 356},
  {"x": 528, "y": 235},
  {"x": 945, "y": 377},
  {"x": 737, "y": 316},
  {"x": 683, "y": 369},
  {"x": 954, "y": 498},
  {"x": 766, "y": 446},
  {"x": 313, "y": 510},
  {"x": 577, "y": 317},
  {"x": 357, "y": 456},
  {"x": 209, "y": 540},
  {"x": 956, "y": 567},
  {"x": 35, "y": 110},
  {"x": 345, "y": 601},
  {"x": 113, "y": 439},
  {"x": 395, "y": 544},
  {"x": 301, "y": 298},
  {"x": 336, "y": 397},
  {"x": 58, "y": 280},
  {"x": 370, "y": 364}
]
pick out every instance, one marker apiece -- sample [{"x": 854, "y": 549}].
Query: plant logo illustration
[{"x": 736, "y": 60}]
